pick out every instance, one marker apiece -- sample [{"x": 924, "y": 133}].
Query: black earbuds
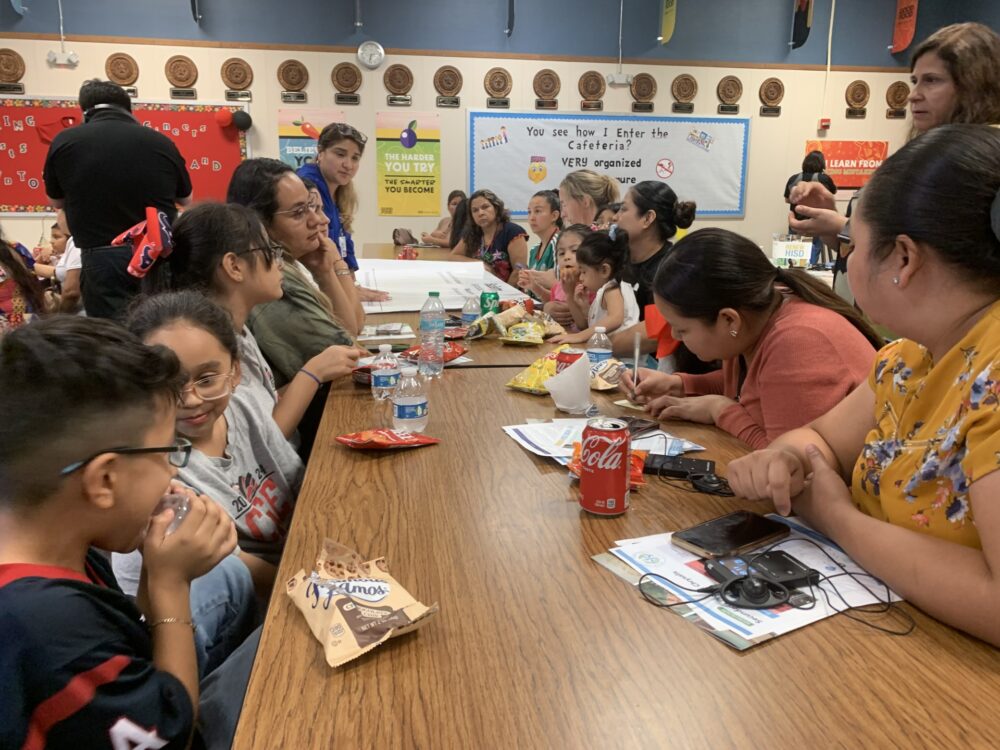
[{"x": 754, "y": 589}]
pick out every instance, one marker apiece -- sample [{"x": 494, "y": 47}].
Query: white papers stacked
[
  {"x": 409, "y": 281},
  {"x": 743, "y": 628},
  {"x": 555, "y": 439},
  {"x": 370, "y": 333}
]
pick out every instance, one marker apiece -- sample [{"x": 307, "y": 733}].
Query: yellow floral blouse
[{"x": 937, "y": 431}]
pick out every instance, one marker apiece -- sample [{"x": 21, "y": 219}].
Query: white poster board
[
  {"x": 794, "y": 252},
  {"x": 704, "y": 159},
  {"x": 409, "y": 281}
]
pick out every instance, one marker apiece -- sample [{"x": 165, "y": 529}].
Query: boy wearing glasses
[{"x": 87, "y": 450}]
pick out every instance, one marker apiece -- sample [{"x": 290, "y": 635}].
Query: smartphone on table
[{"x": 731, "y": 534}]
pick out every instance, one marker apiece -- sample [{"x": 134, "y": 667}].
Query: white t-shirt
[
  {"x": 597, "y": 312},
  {"x": 70, "y": 260}
]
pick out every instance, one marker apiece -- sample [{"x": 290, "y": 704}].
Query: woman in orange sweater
[{"x": 790, "y": 347}]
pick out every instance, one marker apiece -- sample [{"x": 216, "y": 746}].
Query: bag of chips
[
  {"x": 353, "y": 606},
  {"x": 380, "y": 440},
  {"x": 362, "y": 375},
  {"x": 605, "y": 375},
  {"x": 452, "y": 350},
  {"x": 637, "y": 459},
  {"x": 524, "y": 334},
  {"x": 532, "y": 378}
]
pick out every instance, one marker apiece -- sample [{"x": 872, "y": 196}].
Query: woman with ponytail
[{"x": 790, "y": 347}]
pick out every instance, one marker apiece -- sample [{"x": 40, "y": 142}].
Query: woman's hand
[
  {"x": 569, "y": 338},
  {"x": 334, "y": 362},
  {"x": 652, "y": 384},
  {"x": 770, "y": 474},
  {"x": 324, "y": 259},
  {"x": 828, "y": 496},
  {"x": 818, "y": 222},
  {"x": 700, "y": 409},
  {"x": 372, "y": 295}
]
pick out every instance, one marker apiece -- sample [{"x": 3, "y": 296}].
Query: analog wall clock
[{"x": 371, "y": 54}]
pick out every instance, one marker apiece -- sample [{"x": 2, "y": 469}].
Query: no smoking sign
[{"x": 664, "y": 168}]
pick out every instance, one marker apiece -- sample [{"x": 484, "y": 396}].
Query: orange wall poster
[{"x": 850, "y": 164}]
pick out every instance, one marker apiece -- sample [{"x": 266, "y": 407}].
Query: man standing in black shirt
[{"x": 105, "y": 173}]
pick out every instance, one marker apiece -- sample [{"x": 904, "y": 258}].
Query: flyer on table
[{"x": 409, "y": 163}]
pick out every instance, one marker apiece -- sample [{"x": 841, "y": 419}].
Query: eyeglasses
[
  {"x": 177, "y": 454},
  {"x": 299, "y": 212},
  {"x": 351, "y": 132},
  {"x": 211, "y": 388},
  {"x": 272, "y": 252}
]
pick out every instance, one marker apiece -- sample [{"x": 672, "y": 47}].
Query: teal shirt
[{"x": 547, "y": 258}]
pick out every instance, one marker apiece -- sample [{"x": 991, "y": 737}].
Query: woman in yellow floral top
[{"x": 919, "y": 443}]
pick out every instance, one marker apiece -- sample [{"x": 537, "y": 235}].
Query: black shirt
[
  {"x": 108, "y": 170},
  {"x": 820, "y": 177},
  {"x": 641, "y": 276}
]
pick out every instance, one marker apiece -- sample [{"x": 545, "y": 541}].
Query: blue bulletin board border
[{"x": 556, "y": 115}]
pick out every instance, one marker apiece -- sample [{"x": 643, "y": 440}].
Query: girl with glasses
[
  {"x": 222, "y": 251},
  {"x": 338, "y": 156},
  {"x": 239, "y": 456}
]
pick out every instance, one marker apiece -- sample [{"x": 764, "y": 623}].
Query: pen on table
[{"x": 635, "y": 363}]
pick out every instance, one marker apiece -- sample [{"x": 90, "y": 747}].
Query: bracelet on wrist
[
  {"x": 345, "y": 272},
  {"x": 171, "y": 621},
  {"x": 306, "y": 372}
]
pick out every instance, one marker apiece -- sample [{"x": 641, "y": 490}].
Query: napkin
[{"x": 570, "y": 389}]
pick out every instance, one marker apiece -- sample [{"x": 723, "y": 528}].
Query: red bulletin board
[{"x": 210, "y": 151}]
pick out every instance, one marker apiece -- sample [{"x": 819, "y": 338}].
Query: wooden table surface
[
  {"x": 389, "y": 251},
  {"x": 537, "y": 646},
  {"x": 485, "y": 352}
]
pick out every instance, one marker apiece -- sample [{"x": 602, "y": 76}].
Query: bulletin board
[
  {"x": 704, "y": 159},
  {"x": 210, "y": 151}
]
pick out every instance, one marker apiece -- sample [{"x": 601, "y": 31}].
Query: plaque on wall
[
  {"x": 183, "y": 92},
  {"x": 729, "y": 90},
  {"x": 121, "y": 69},
  {"x": 132, "y": 91},
  {"x": 398, "y": 80},
  {"x": 346, "y": 77},
  {"x": 857, "y": 96},
  {"x": 498, "y": 84},
  {"x": 497, "y": 102},
  {"x": 293, "y": 76},
  {"x": 235, "y": 95},
  {"x": 351, "y": 99},
  {"x": 181, "y": 72},
  {"x": 11, "y": 66},
  {"x": 684, "y": 88},
  {"x": 896, "y": 96},
  {"x": 448, "y": 82},
  {"x": 771, "y": 92},
  {"x": 546, "y": 85},
  {"x": 399, "y": 100},
  {"x": 237, "y": 74},
  {"x": 592, "y": 86},
  {"x": 294, "y": 97},
  {"x": 643, "y": 89}
]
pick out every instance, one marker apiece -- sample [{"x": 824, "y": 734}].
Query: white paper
[
  {"x": 555, "y": 439},
  {"x": 369, "y": 333},
  {"x": 409, "y": 281},
  {"x": 743, "y": 628},
  {"x": 463, "y": 360},
  {"x": 570, "y": 389}
]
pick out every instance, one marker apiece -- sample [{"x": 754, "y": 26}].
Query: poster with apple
[
  {"x": 409, "y": 163},
  {"x": 298, "y": 131}
]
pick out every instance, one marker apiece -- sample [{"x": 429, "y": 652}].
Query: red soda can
[
  {"x": 567, "y": 357},
  {"x": 604, "y": 471}
]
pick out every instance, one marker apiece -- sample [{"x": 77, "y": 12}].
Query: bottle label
[
  {"x": 468, "y": 318},
  {"x": 385, "y": 378},
  {"x": 432, "y": 324},
  {"x": 410, "y": 411},
  {"x": 598, "y": 355}
]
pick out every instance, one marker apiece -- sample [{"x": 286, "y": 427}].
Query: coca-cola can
[
  {"x": 567, "y": 357},
  {"x": 604, "y": 470}
]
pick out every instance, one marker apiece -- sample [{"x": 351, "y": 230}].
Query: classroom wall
[
  {"x": 776, "y": 144},
  {"x": 729, "y": 30}
]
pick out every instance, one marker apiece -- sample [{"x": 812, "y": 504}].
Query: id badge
[{"x": 342, "y": 241}]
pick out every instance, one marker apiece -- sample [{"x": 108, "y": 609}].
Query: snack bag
[
  {"x": 452, "y": 350},
  {"x": 504, "y": 320},
  {"x": 525, "y": 334},
  {"x": 637, "y": 459},
  {"x": 532, "y": 378},
  {"x": 362, "y": 375},
  {"x": 604, "y": 376},
  {"x": 353, "y": 606},
  {"x": 551, "y": 327},
  {"x": 480, "y": 326},
  {"x": 377, "y": 440},
  {"x": 457, "y": 332}
]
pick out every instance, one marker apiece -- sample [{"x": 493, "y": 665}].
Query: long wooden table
[
  {"x": 485, "y": 352},
  {"x": 389, "y": 251},
  {"x": 538, "y": 646}
]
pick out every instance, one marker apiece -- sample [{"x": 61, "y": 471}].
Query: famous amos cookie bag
[{"x": 353, "y": 606}]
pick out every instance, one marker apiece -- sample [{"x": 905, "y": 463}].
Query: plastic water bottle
[
  {"x": 471, "y": 311},
  {"x": 409, "y": 403},
  {"x": 385, "y": 373},
  {"x": 432, "y": 318},
  {"x": 599, "y": 346}
]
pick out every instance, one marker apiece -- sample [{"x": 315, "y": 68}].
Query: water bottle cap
[
  {"x": 601, "y": 329},
  {"x": 383, "y": 348},
  {"x": 409, "y": 372},
  {"x": 433, "y": 294}
]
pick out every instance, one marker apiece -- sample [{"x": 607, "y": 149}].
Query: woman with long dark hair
[
  {"x": 903, "y": 473},
  {"x": 490, "y": 236},
  {"x": 790, "y": 347},
  {"x": 21, "y": 295}
]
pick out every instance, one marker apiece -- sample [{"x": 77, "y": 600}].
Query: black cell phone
[
  {"x": 732, "y": 534},
  {"x": 775, "y": 565},
  {"x": 676, "y": 466},
  {"x": 637, "y": 426}
]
